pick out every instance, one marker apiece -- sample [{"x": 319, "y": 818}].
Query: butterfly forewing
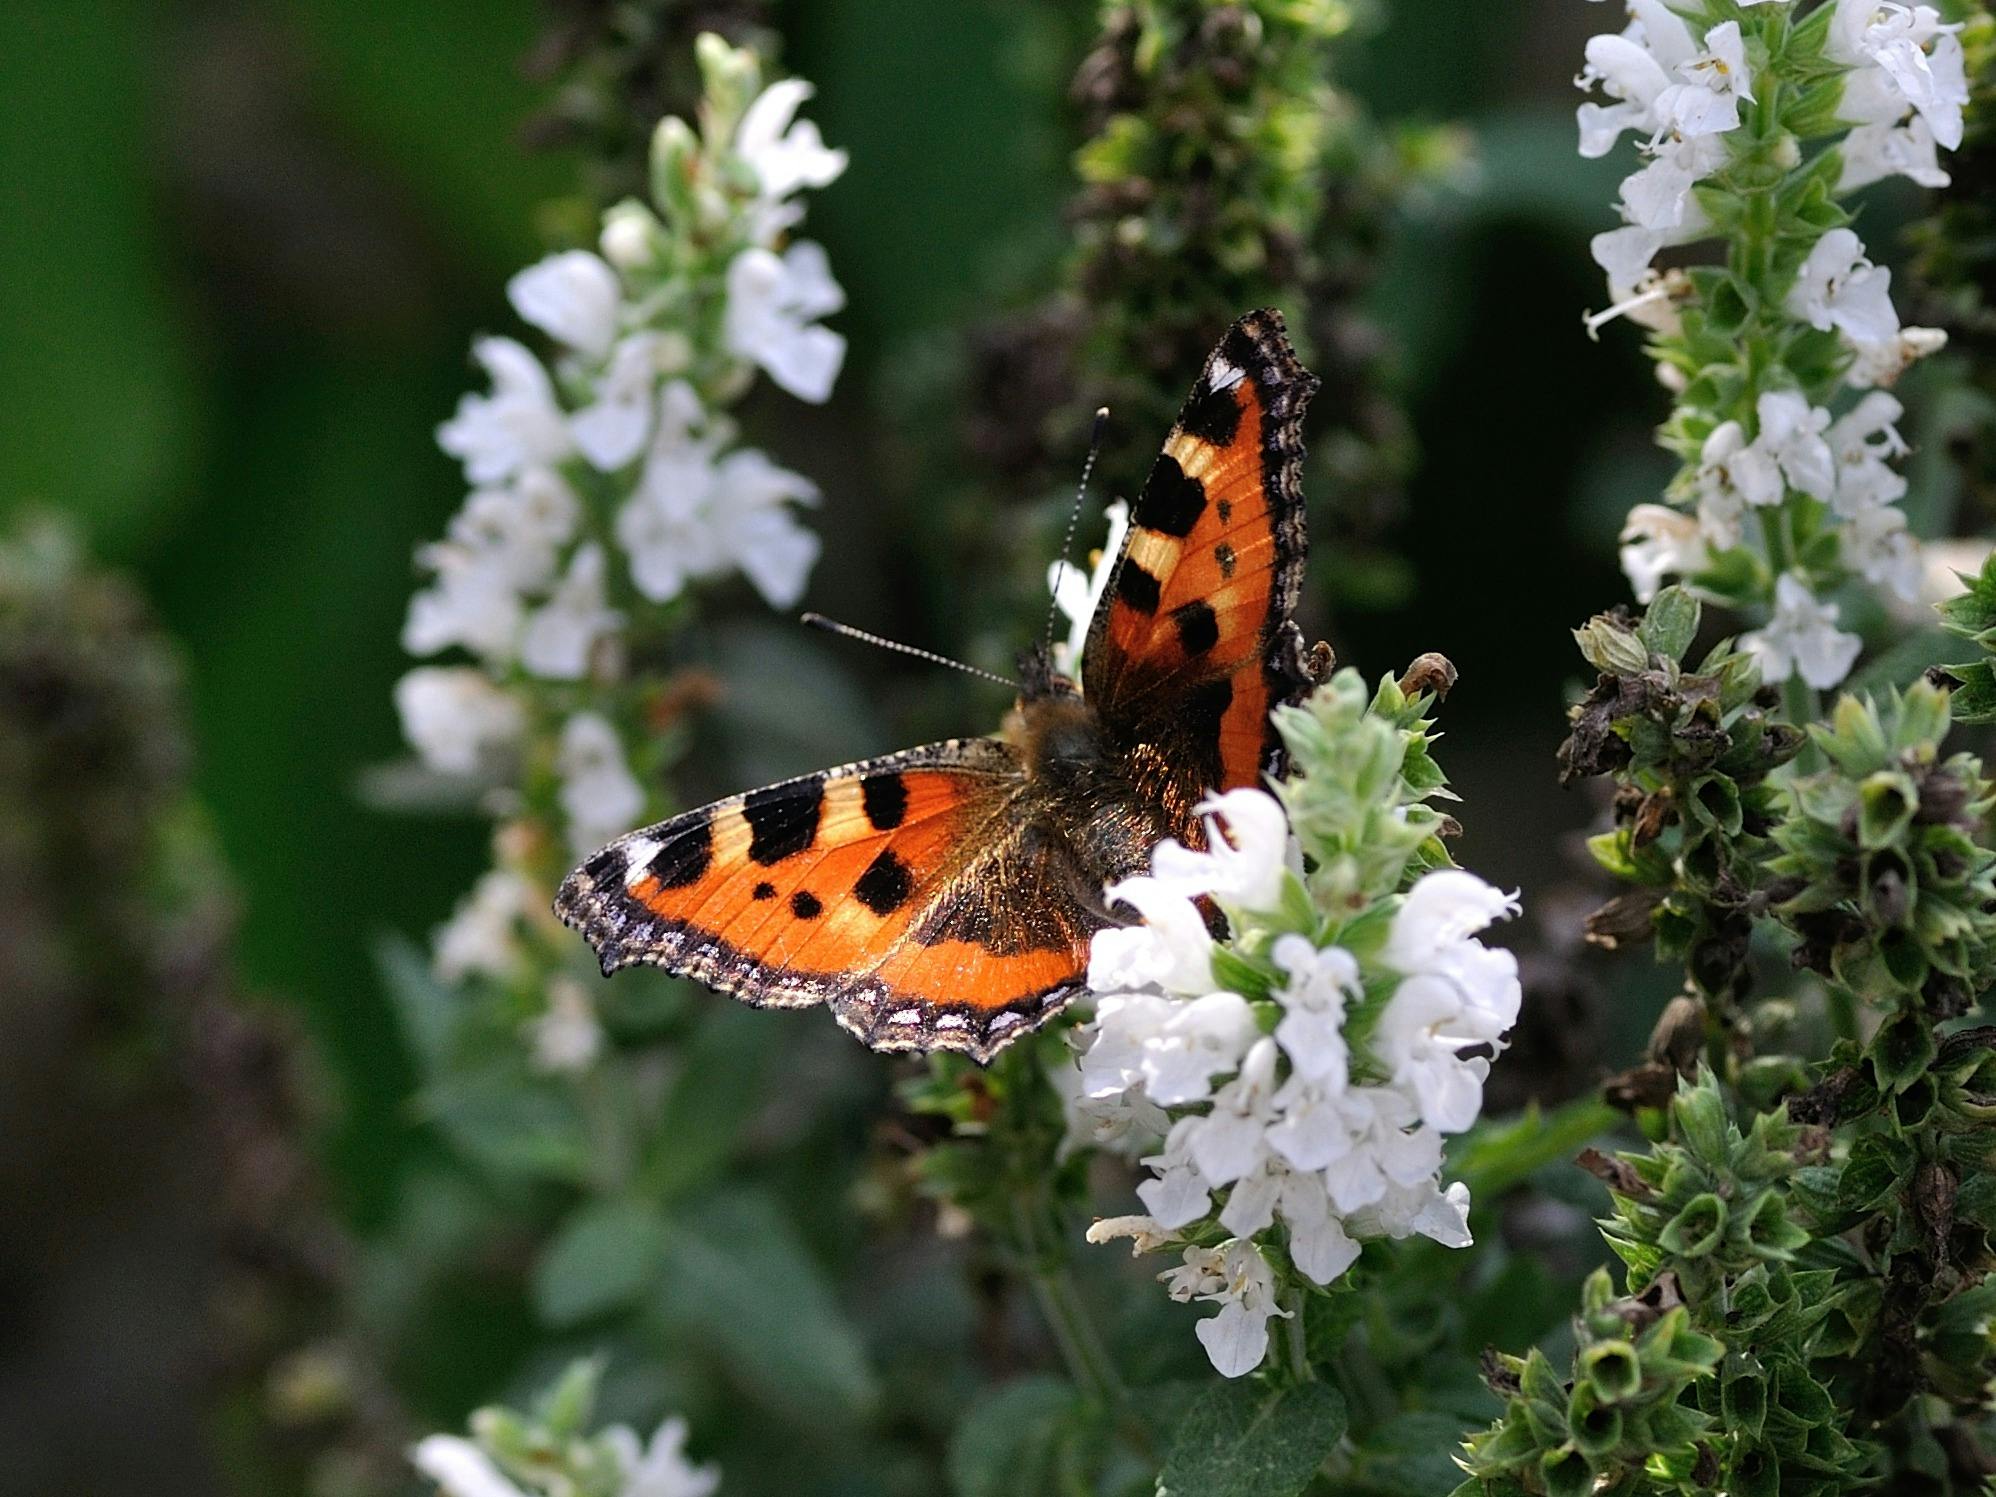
[
  {"x": 1192, "y": 645},
  {"x": 916, "y": 894}
]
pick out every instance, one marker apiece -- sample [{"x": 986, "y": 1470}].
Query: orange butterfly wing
[
  {"x": 1192, "y": 644},
  {"x": 916, "y": 894}
]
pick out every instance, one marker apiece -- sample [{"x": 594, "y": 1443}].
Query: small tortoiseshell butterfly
[{"x": 944, "y": 898}]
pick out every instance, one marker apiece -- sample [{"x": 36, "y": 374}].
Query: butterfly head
[{"x": 1039, "y": 681}]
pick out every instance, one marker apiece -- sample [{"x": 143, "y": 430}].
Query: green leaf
[
  {"x": 741, "y": 1278},
  {"x": 511, "y": 1124},
  {"x": 1671, "y": 623},
  {"x": 428, "y": 1010},
  {"x": 714, "y": 1095},
  {"x": 605, "y": 1255},
  {"x": 1238, "y": 1441},
  {"x": 1010, "y": 1440}
]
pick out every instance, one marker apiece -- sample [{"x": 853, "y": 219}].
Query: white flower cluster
[
  {"x": 658, "y": 1468},
  {"x": 608, "y": 478},
  {"x": 1681, "y": 88},
  {"x": 1321, "y": 1109}
]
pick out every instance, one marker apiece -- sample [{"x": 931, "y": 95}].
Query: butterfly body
[{"x": 945, "y": 897}]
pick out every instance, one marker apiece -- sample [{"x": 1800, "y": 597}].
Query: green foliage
[
  {"x": 1690, "y": 751},
  {"x": 1240, "y": 1440}
]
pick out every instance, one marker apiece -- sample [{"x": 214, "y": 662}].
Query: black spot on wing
[
  {"x": 1205, "y": 707},
  {"x": 1224, "y": 555},
  {"x": 1171, "y": 502},
  {"x": 1137, "y": 587},
  {"x": 885, "y": 796},
  {"x": 783, "y": 820},
  {"x": 685, "y": 855},
  {"x": 764, "y": 890},
  {"x": 1198, "y": 627},
  {"x": 805, "y": 905},
  {"x": 1213, "y": 415},
  {"x": 886, "y": 884},
  {"x": 607, "y": 867}
]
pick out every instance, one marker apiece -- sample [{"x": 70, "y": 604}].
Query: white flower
[
  {"x": 1872, "y": 153},
  {"x": 611, "y": 430},
  {"x": 1657, "y": 197},
  {"x": 1837, "y": 287},
  {"x": 1227, "y": 1142},
  {"x": 692, "y": 516},
  {"x": 454, "y": 717},
  {"x": 631, "y": 235},
  {"x": 573, "y": 297},
  {"x": 1076, "y": 594},
  {"x": 1791, "y": 432},
  {"x": 1119, "y": 1117},
  {"x": 1863, "y": 441},
  {"x": 1802, "y": 638},
  {"x": 1877, "y": 544},
  {"x": 482, "y": 934},
  {"x": 473, "y": 600},
  {"x": 1171, "y": 949},
  {"x": 772, "y": 318},
  {"x": 1905, "y": 58},
  {"x": 1732, "y": 473},
  {"x": 560, "y": 633},
  {"x": 1311, "y": 1031},
  {"x": 599, "y": 795},
  {"x": 1146, "y": 1235},
  {"x": 1176, "y": 1193},
  {"x": 1237, "y": 1278},
  {"x": 1634, "y": 69},
  {"x": 1247, "y": 857},
  {"x": 1196, "y": 1042},
  {"x": 660, "y": 1469},
  {"x": 1879, "y": 364},
  {"x": 519, "y": 425},
  {"x": 1708, "y": 102},
  {"x": 1422, "y": 1209},
  {"x": 1455, "y": 993},
  {"x": 566, "y": 1037},
  {"x": 786, "y": 154},
  {"x": 460, "y": 1468},
  {"x": 1659, "y": 542}
]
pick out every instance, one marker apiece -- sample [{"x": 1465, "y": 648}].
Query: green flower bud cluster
[
  {"x": 1704, "y": 1223},
  {"x": 1881, "y": 875},
  {"x": 1972, "y": 616},
  {"x": 1690, "y": 751},
  {"x": 1360, "y": 779},
  {"x": 1621, "y": 1412}
]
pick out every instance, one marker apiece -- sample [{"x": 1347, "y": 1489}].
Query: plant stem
[{"x": 1295, "y": 1336}]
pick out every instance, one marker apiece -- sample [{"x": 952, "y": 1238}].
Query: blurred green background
[{"x": 246, "y": 246}]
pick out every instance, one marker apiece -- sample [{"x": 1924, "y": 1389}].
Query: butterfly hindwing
[
  {"x": 1192, "y": 645},
  {"x": 916, "y": 894}
]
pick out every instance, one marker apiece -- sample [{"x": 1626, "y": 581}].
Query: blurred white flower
[
  {"x": 660, "y": 1468},
  {"x": 566, "y": 1038},
  {"x": 482, "y": 934},
  {"x": 1876, "y": 365},
  {"x": 1791, "y": 433},
  {"x": 519, "y": 425},
  {"x": 1872, "y": 153},
  {"x": 560, "y": 634},
  {"x": 1659, "y": 542},
  {"x": 1864, "y": 441},
  {"x": 599, "y": 795},
  {"x": 460, "y": 1468},
  {"x": 455, "y": 718},
  {"x": 772, "y": 319},
  {"x": 1634, "y": 69},
  {"x": 1236, "y": 1277},
  {"x": 787, "y": 155},
  {"x": 1877, "y": 544},
  {"x": 573, "y": 297},
  {"x": 1076, "y": 593},
  {"x": 612, "y": 429},
  {"x": 1802, "y": 638}
]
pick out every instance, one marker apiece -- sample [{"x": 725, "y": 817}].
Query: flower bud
[
  {"x": 631, "y": 236},
  {"x": 1611, "y": 646}
]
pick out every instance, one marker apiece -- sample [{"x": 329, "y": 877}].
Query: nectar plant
[
  {"x": 551, "y": 1452},
  {"x": 1756, "y": 120},
  {"x": 1304, "y": 1070},
  {"x": 607, "y": 482}
]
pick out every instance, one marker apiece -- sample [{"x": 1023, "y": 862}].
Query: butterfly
[{"x": 944, "y": 898}]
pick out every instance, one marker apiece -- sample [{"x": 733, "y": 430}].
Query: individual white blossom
[
  {"x": 1657, "y": 543},
  {"x": 659, "y": 1468},
  {"x": 1172, "y": 1049},
  {"x": 566, "y": 1038},
  {"x": 1872, "y": 153},
  {"x": 1905, "y": 58},
  {"x": 1802, "y": 638},
  {"x": 1791, "y": 433},
  {"x": 1237, "y": 1278},
  {"x": 1878, "y": 546},
  {"x": 1864, "y": 441},
  {"x": 1311, "y": 1031},
  {"x": 559, "y": 635},
  {"x": 599, "y": 795},
  {"x": 1076, "y": 593},
  {"x": 574, "y": 297},
  {"x": 483, "y": 934},
  {"x": 1732, "y": 474},
  {"x": 518, "y": 425},
  {"x": 612, "y": 429},
  {"x": 460, "y": 1468},
  {"x": 1247, "y": 858},
  {"x": 786, "y": 154},
  {"x": 1876, "y": 365},
  {"x": 1838, "y": 287},
  {"x": 1145, "y": 1234},
  {"x": 774, "y": 304},
  {"x": 456, "y": 719},
  {"x": 1635, "y": 69}
]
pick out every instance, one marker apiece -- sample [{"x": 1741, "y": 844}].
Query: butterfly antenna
[
  {"x": 833, "y": 626},
  {"x": 1074, "y": 519}
]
